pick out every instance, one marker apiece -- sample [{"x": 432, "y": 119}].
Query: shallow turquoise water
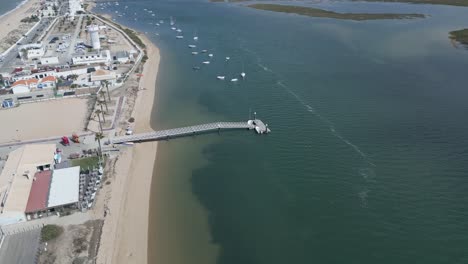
[{"x": 367, "y": 162}]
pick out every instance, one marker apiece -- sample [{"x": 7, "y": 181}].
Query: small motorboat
[
  {"x": 173, "y": 28},
  {"x": 206, "y": 62},
  {"x": 179, "y": 30},
  {"x": 210, "y": 55},
  {"x": 179, "y": 37},
  {"x": 204, "y": 51},
  {"x": 220, "y": 78},
  {"x": 228, "y": 58},
  {"x": 234, "y": 80},
  {"x": 194, "y": 52},
  {"x": 243, "y": 75},
  {"x": 192, "y": 46},
  {"x": 196, "y": 68}
]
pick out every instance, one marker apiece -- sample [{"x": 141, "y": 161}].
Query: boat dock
[{"x": 256, "y": 124}]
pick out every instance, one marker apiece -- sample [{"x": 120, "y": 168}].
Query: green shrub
[{"x": 50, "y": 232}]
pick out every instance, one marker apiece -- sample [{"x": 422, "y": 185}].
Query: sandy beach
[
  {"x": 12, "y": 21},
  {"x": 42, "y": 120},
  {"x": 124, "y": 237}
]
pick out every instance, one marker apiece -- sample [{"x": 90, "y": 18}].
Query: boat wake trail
[
  {"x": 308, "y": 107},
  {"x": 330, "y": 124}
]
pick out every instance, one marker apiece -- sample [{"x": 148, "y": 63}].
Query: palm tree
[
  {"x": 98, "y": 113},
  {"x": 102, "y": 93},
  {"x": 106, "y": 83},
  {"x": 100, "y": 103},
  {"x": 97, "y": 137}
]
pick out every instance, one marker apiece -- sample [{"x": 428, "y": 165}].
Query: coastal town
[
  {"x": 76, "y": 92},
  {"x": 69, "y": 79}
]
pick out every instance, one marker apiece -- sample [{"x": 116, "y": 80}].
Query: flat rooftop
[{"x": 64, "y": 187}]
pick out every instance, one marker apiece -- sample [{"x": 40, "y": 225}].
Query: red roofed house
[
  {"x": 24, "y": 86},
  {"x": 47, "y": 82}
]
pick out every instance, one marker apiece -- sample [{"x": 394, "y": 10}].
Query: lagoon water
[{"x": 368, "y": 158}]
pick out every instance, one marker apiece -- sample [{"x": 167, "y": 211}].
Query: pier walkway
[{"x": 256, "y": 125}]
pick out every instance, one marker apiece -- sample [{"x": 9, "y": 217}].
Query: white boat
[
  {"x": 195, "y": 38},
  {"x": 204, "y": 51},
  {"x": 243, "y": 75},
  {"x": 179, "y": 30},
  {"x": 206, "y": 62},
  {"x": 157, "y": 24},
  {"x": 153, "y": 15},
  {"x": 173, "y": 28},
  {"x": 228, "y": 58},
  {"x": 234, "y": 80},
  {"x": 210, "y": 55},
  {"x": 172, "y": 22},
  {"x": 192, "y": 46},
  {"x": 194, "y": 52},
  {"x": 220, "y": 78},
  {"x": 179, "y": 37}
]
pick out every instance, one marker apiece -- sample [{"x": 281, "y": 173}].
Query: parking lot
[{"x": 21, "y": 248}]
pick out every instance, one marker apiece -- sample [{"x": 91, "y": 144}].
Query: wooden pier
[{"x": 256, "y": 124}]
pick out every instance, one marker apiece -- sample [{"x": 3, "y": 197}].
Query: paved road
[
  {"x": 20, "y": 248},
  {"x": 10, "y": 60}
]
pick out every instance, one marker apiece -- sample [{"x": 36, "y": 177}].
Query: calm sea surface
[{"x": 368, "y": 159}]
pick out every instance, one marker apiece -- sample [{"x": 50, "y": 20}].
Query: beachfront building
[
  {"x": 30, "y": 187},
  {"x": 92, "y": 58},
  {"x": 17, "y": 178},
  {"x": 53, "y": 191}
]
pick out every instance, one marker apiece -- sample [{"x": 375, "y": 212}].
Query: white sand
[
  {"x": 125, "y": 233},
  {"x": 43, "y": 119}
]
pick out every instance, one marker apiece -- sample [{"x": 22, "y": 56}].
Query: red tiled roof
[
  {"x": 48, "y": 79},
  {"x": 24, "y": 82},
  {"x": 39, "y": 192}
]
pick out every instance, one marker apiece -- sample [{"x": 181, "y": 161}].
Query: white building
[
  {"x": 49, "y": 60},
  {"x": 92, "y": 58},
  {"x": 35, "y": 53},
  {"x": 24, "y": 86},
  {"x": 122, "y": 57},
  {"x": 64, "y": 187},
  {"x": 74, "y": 7},
  {"x": 93, "y": 31}
]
